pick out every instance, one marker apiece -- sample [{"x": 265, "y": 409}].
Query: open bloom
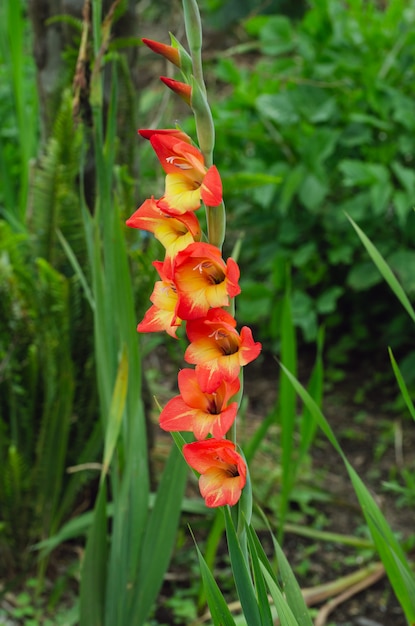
[
  {"x": 174, "y": 233},
  {"x": 203, "y": 280},
  {"x": 222, "y": 469},
  {"x": 217, "y": 349},
  {"x": 162, "y": 315},
  {"x": 188, "y": 180},
  {"x": 198, "y": 412}
]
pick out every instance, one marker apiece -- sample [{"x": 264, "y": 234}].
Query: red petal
[{"x": 211, "y": 188}]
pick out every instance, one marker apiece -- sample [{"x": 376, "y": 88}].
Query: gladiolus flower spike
[{"x": 196, "y": 283}]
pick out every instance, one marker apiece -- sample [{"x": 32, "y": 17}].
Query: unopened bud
[
  {"x": 181, "y": 89},
  {"x": 168, "y": 52}
]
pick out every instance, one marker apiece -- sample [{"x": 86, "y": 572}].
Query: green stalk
[{"x": 193, "y": 26}]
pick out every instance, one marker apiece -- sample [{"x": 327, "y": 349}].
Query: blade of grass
[
  {"x": 94, "y": 566},
  {"x": 219, "y": 610},
  {"x": 287, "y": 407},
  {"x": 285, "y": 614},
  {"x": 159, "y": 536},
  {"x": 288, "y": 583},
  {"x": 77, "y": 269},
  {"x": 385, "y": 541},
  {"x": 308, "y": 425},
  {"x": 384, "y": 269},
  {"x": 261, "y": 589},
  {"x": 116, "y": 412},
  {"x": 240, "y": 569},
  {"x": 402, "y": 385}
]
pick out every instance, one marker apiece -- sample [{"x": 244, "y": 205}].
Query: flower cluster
[{"x": 196, "y": 288}]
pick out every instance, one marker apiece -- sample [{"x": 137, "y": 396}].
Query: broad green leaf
[
  {"x": 285, "y": 614},
  {"x": 384, "y": 269},
  {"x": 261, "y": 590},
  {"x": 312, "y": 191},
  {"x": 402, "y": 385},
  {"x": 241, "y": 573},
  {"x": 116, "y": 411},
  {"x": 292, "y": 591},
  {"x": 94, "y": 569},
  {"x": 289, "y": 583},
  {"x": 276, "y": 35},
  {"x": 159, "y": 536},
  {"x": 219, "y": 610},
  {"x": 363, "y": 276},
  {"x": 278, "y": 108}
]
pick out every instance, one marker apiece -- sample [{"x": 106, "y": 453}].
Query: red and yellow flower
[
  {"x": 217, "y": 349},
  {"x": 162, "y": 315},
  {"x": 203, "y": 280},
  {"x": 222, "y": 470},
  {"x": 188, "y": 180},
  {"x": 199, "y": 412},
  {"x": 174, "y": 233}
]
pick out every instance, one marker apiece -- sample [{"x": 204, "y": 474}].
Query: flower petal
[{"x": 211, "y": 189}]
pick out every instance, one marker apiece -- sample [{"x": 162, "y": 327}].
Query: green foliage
[
  {"x": 18, "y": 111},
  {"x": 47, "y": 386},
  {"x": 318, "y": 107},
  {"x": 37, "y": 403}
]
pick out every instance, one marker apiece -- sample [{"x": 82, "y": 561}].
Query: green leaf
[
  {"x": 263, "y": 602},
  {"x": 402, "y": 385},
  {"x": 402, "y": 263},
  {"x": 218, "y": 608},
  {"x": 241, "y": 573},
  {"x": 312, "y": 192},
  {"x": 388, "y": 548},
  {"x": 384, "y": 269},
  {"x": 160, "y": 534},
  {"x": 276, "y": 35},
  {"x": 94, "y": 569},
  {"x": 278, "y": 108},
  {"x": 292, "y": 591},
  {"x": 287, "y": 406},
  {"x": 285, "y": 614},
  {"x": 116, "y": 411},
  {"x": 363, "y": 276}
]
